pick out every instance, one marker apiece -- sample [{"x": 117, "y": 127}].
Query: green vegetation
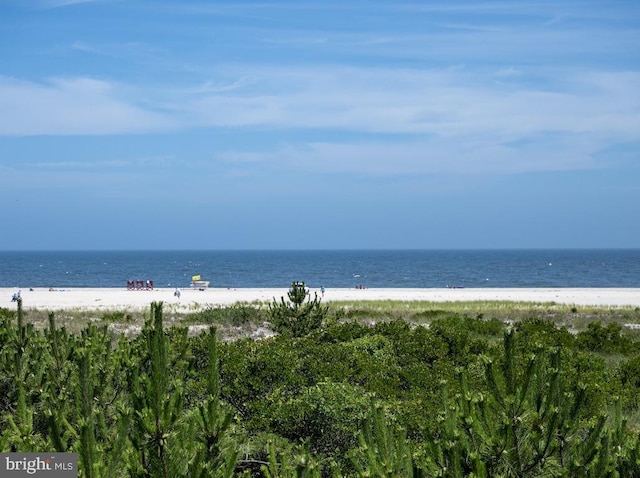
[
  {"x": 370, "y": 389},
  {"x": 298, "y": 316}
]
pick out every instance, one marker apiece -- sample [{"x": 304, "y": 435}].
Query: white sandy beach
[{"x": 190, "y": 299}]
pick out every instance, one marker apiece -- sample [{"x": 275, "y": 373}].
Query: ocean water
[{"x": 346, "y": 268}]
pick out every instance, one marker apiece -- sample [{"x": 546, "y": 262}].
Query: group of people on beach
[{"x": 15, "y": 297}]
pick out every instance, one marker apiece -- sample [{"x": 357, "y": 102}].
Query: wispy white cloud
[
  {"x": 84, "y": 47},
  {"x": 121, "y": 165},
  {"x": 72, "y": 106},
  {"x": 466, "y": 156},
  {"x": 435, "y": 120},
  {"x": 454, "y": 123},
  {"x": 441, "y": 102}
]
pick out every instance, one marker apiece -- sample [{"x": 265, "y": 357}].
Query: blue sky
[{"x": 180, "y": 124}]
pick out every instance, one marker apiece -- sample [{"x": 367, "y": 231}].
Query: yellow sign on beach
[{"x": 195, "y": 278}]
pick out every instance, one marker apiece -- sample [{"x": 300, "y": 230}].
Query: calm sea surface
[{"x": 421, "y": 268}]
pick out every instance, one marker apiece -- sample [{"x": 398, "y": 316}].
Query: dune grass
[
  {"x": 574, "y": 318},
  {"x": 251, "y": 315}
]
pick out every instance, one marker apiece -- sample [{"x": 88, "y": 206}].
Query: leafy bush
[
  {"x": 343, "y": 332},
  {"x": 537, "y": 332},
  {"x": 328, "y": 414},
  {"x": 609, "y": 339},
  {"x": 628, "y": 374},
  {"x": 464, "y": 336}
]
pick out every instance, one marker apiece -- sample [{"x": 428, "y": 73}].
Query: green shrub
[
  {"x": 533, "y": 404},
  {"x": 328, "y": 414},
  {"x": 428, "y": 315},
  {"x": 536, "y": 332},
  {"x": 529, "y": 421},
  {"x": 464, "y": 336},
  {"x": 117, "y": 317},
  {"x": 6, "y": 313},
  {"x": 609, "y": 339},
  {"x": 628, "y": 374},
  {"x": 343, "y": 332},
  {"x": 242, "y": 314}
]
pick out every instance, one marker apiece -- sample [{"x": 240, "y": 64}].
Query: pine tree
[
  {"x": 384, "y": 451},
  {"x": 158, "y": 408},
  {"x": 217, "y": 454},
  {"x": 530, "y": 423},
  {"x": 300, "y": 315},
  {"x": 26, "y": 367}
]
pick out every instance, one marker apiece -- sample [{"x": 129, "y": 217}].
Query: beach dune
[{"x": 191, "y": 299}]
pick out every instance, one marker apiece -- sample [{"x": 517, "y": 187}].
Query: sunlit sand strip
[{"x": 190, "y": 299}]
